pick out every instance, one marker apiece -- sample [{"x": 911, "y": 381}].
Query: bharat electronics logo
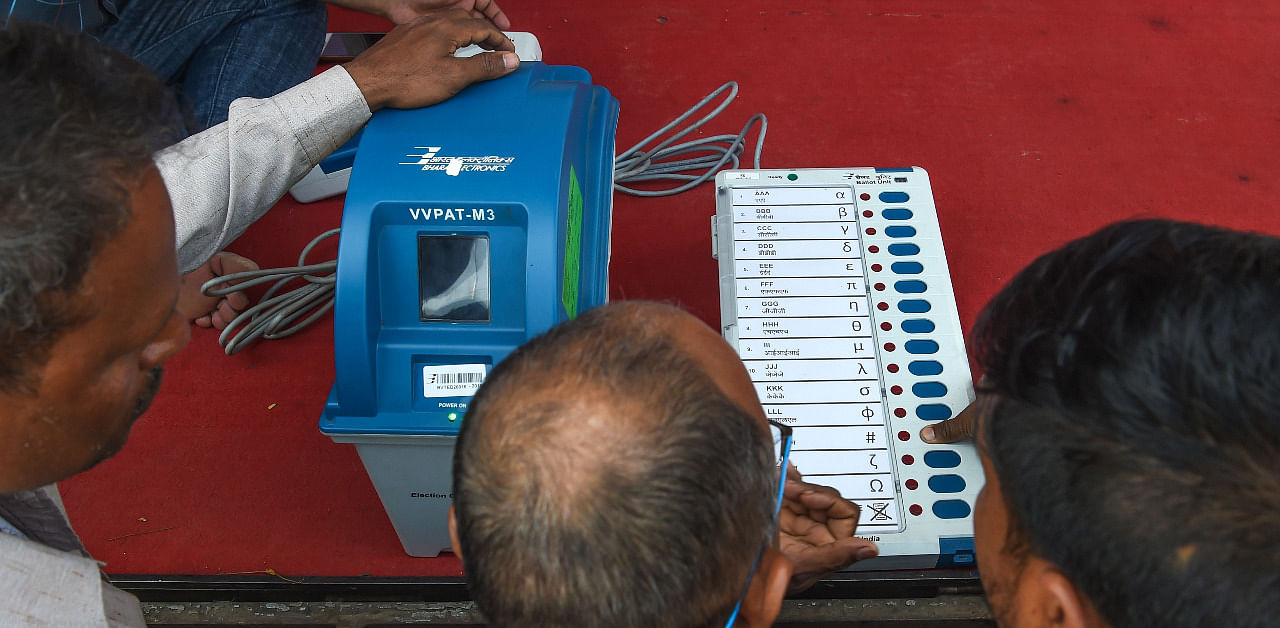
[{"x": 431, "y": 159}]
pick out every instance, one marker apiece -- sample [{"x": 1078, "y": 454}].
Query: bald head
[{"x": 614, "y": 471}]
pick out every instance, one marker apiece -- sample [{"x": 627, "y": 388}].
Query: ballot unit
[{"x": 834, "y": 290}]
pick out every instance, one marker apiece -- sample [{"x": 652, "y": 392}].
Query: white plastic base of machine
[
  {"x": 319, "y": 184},
  {"x": 413, "y": 475}
]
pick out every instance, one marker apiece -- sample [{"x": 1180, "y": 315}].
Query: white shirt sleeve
[
  {"x": 43, "y": 586},
  {"x": 223, "y": 179}
]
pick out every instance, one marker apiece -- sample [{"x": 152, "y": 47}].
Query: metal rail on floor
[
  {"x": 915, "y": 599},
  {"x": 277, "y": 588}
]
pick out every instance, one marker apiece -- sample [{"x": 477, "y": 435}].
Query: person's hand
[
  {"x": 815, "y": 531},
  {"x": 957, "y": 428},
  {"x": 413, "y": 66},
  {"x": 402, "y": 11},
  {"x": 216, "y": 312}
]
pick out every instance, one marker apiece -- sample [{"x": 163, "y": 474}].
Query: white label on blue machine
[{"x": 452, "y": 380}]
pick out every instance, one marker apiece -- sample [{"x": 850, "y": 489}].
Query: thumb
[
  {"x": 489, "y": 65},
  {"x": 227, "y": 263},
  {"x": 948, "y": 431},
  {"x": 864, "y": 548},
  {"x": 840, "y": 554},
  {"x": 845, "y": 552},
  {"x": 962, "y": 427}
]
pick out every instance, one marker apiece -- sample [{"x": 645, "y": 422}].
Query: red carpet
[{"x": 1038, "y": 121}]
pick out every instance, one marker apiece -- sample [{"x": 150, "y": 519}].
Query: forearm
[
  {"x": 223, "y": 179},
  {"x": 376, "y": 7}
]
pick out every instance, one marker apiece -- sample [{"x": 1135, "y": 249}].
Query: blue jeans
[{"x": 215, "y": 51}]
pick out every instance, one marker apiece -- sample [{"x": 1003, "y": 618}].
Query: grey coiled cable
[
  {"x": 693, "y": 162},
  {"x": 274, "y": 315}
]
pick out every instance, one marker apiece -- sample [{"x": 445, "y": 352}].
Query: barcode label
[
  {"x": 452, "y": 380},
  {"x": 457, "y": 378}
]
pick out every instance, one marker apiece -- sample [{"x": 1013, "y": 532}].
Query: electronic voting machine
[{"x": 835, "y": 291}]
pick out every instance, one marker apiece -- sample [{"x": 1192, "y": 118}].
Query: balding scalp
[{"x": 601, "y": 478}]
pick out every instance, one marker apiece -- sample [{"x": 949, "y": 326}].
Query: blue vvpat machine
[{"x": 470, "y": 227}]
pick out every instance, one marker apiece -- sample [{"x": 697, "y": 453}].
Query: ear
[
  {"x": 453, "y": 534},
  {"x": 1055, "y": 600},
  {"x": 763, "y": 602}
]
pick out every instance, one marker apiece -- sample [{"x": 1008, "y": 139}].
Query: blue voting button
[
  {"x": 951, "y": 509},
  {"x": 925, "y": 367},
  {"x": 942, "y": 459},
  {"x": 946, "y": 483},
  {"x": 917, "y": 326},
  {"x": 913, "y": 306},
  {"x": 928, "y": 390}
]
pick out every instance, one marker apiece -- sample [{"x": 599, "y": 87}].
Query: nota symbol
[{"x": 878, "y": 511}]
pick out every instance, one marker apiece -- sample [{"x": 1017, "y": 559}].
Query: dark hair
[
  {"x": 78, "y": 123},
  {"x": 601, "y": 478},
  {"x": 1136, "y": 429}
]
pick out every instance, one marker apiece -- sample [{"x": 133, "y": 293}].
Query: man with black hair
[
  {"x": 1129, "y": 427},
  {"x": 88, "y": 263},
  {"x": 617, "y": 471}
]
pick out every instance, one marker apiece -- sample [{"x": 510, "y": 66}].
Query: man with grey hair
[
  {"x": 88, "y": 263},
  {"x": 618, "y": 471}
]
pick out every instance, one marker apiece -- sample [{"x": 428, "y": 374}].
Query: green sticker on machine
[{"x": 572, "y": 247}]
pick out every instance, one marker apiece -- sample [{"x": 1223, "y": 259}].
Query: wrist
[{"x": 376, "y": 95}]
